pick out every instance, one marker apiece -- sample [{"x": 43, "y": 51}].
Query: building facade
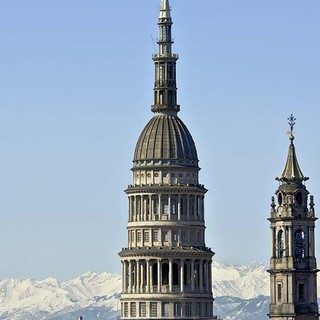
[
  {"x": 293, "y": 267},
  {"x": 166, "y": 266}
]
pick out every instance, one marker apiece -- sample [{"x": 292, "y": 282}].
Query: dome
[{"x": 165, "y": 137}]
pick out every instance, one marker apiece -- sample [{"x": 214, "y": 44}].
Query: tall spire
[
  {"x": 165, "y": 88},
  {"x": 292, "y": 171}
]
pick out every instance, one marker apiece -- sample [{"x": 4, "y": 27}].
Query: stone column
[
  {"x": 202, "y": 208},
  {"x": 312, "y": 241},
  {"x": 181, "y": 275},
  {"x": 130, "y": 277},
  {"x": 150, "y": 207},
  {"x": 159, "y": 275},
  {"x": 290, "y": 288},
  {"x": 170, "y": 275},
  {"x": 286, "y": 241},
  {"x": 138, "y": 208},
  {"x": 129, "y": 206},
  {"x": 274, "y": 239},
  {"x": 135, "y": 207},
  {"x": 160, "y": 206},
  {"x": 135, "y": 238},
  {"x": 307, "y": 244},
  {"x": 207, "y": 276},
  {"x": 123, "y": 276},
  {"x": 201, "y": 275},
  {"x": 188, "y": 207},
  {"x": 290, "y": 241},
  {"x": 179, "y": 207},
  {"x": 169, "y": 206},
  {"x": 273, "y": 289},
  {"x": 145, "y": 204},
  {"x": 137, "y": 276},
  {"x": 210, "y": 275},
  {"x": 192, "y": 275},
  {"x": 197, "y": 206},
  {"x": 141, "y": 208},
  {"x": 148, "y": 275}
]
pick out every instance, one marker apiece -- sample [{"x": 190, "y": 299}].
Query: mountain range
[{"x": 241, "y": 292}]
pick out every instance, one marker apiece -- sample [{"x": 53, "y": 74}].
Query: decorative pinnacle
[
  {"x": 164, "y": 9},
  {"x": 291, "y": 122}
]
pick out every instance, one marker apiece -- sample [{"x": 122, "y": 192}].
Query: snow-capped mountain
[
  {"x": 241, "y": 292},
  {"x": 50, "y": 299},
  {"x": 244, "y": 282}
]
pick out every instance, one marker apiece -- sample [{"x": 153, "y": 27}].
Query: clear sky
[{"x": 76, "y": 80}]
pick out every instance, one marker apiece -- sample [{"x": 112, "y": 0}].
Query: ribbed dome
[{"x": 165, "y": 137}]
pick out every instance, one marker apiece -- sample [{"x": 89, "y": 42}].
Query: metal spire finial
[{"x": 291, "y": 122}]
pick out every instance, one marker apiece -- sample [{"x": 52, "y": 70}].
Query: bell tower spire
[
  {"x": 293, "y": 267},
  {"x": 165, "y": 88},
  {"x": 292, "y": 170}
]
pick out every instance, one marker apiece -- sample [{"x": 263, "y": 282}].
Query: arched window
[
  {"x": 155, "y": 274},
  {"x": 165, "y": 205},
  {"x": 134, "y": 273},
  {"x": 147, "y": 206},
  {"x": 279, "y": 291},
  {"x": 165, "y": 274},
  {"x": 173, "y": 206},
  {"x": 196, "y": 274},
  {"x": 299, "y": 244},
  {"x": 138, "y": 206},
  {"x": 175, "y": 274},
  {"x": 156, "y": 206},
  {"x": 182, "y": 205},
  {"x": 185, "y": 275},
  {"x": 280, "y": 199},
  {"x": 191, "y": 205},
  {"x": 280, "y": 244}
]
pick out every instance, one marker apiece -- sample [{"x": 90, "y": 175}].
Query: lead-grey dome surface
[{"x": 165, "y": 137}]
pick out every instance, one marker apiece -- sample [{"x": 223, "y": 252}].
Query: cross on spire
[{"x": 291, "y": 122}]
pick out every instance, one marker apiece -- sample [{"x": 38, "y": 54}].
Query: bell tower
[{"x": 293, "y": 267}]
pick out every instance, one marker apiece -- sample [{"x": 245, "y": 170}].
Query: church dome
[{"x": 166, "y": 137}]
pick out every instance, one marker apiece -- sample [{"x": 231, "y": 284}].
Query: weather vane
[{"x": 291, "y": 122}]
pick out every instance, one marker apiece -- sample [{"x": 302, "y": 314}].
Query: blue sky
[{"x": 76, "y": 80}]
